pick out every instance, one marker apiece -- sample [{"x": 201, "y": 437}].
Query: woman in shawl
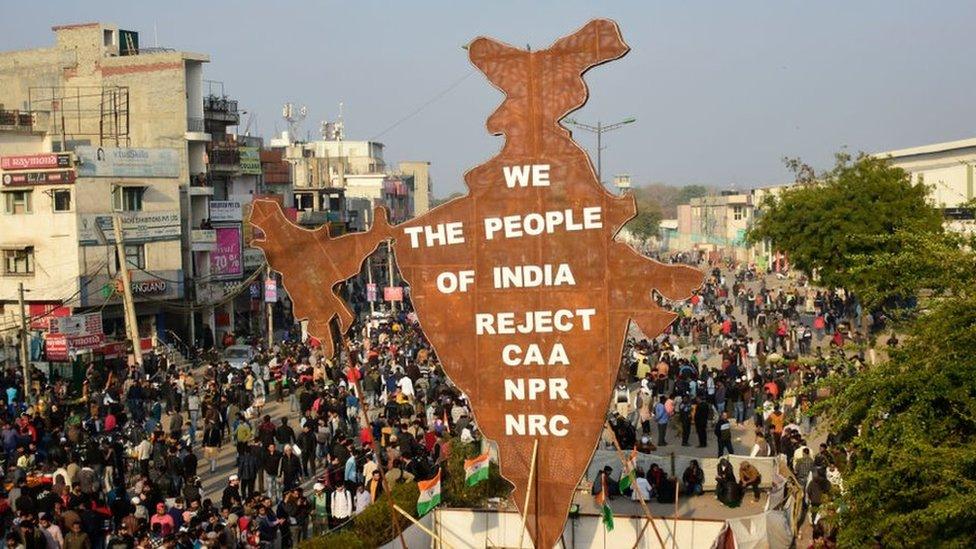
[{"x": 727, "y": 489}]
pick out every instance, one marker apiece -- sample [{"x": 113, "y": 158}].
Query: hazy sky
[{"x": 722, "y": 90}]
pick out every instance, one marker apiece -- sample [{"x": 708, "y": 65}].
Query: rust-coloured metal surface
[{"x": 607, "y": 276}]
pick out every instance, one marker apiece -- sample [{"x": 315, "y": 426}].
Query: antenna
[
  {"x": 294, "y": 117},
  {"x": 333, "y": 131}
]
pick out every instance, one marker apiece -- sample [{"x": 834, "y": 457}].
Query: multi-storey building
[{"x": 102, "y": 127}]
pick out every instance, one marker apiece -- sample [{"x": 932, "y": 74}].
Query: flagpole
[
  {"x": 528, "y": 491},
  {"x": 420, "y": 525},
  {"x": 640, "y": 496},
  {"x": 674, "y": 530}
]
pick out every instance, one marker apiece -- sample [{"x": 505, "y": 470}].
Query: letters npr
[{"x": 523, "y": 276}]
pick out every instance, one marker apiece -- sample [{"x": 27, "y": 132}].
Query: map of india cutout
[{"x": 519, "y": 285}]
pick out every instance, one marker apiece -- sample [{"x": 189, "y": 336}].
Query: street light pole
[{"x": 599, "y": 129}]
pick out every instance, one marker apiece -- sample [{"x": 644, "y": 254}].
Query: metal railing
[{"x": 17, "y": 119}]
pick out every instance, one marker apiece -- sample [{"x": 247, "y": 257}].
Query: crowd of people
[
  {"x": 744, "y": 352},
  {"x": 316, "y": 439},
  {"x": 119, "y": 463}
]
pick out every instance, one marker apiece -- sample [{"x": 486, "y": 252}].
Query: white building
[{"x": 947, "y": 169}]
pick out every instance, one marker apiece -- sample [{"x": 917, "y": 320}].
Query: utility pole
[
  {"x": 269, "y": 307},
  {"x": 369, "y": 278},
  {"x": 389, "y": 264},
  {"x": 599, "y": 129},
  {"x": 128, "y": 307},
  {"x": 24, "y": 333}
]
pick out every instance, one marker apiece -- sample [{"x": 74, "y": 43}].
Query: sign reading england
[{"x": 519, "y": 285}]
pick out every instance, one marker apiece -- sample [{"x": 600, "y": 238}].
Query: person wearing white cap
[
  {"x": 231, "y": 492},
  {"x": 320, "y": 509}
]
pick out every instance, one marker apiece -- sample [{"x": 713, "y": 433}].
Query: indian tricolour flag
[
  {"x": 430, "y": 494},
  {"x": 476, "y": 469}
]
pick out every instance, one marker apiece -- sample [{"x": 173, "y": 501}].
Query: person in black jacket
[
  {"x": 701, "y": 421},
  {"x": 307, "y": 444},
  {"x": 249, "y": 468},
  {"x": 291, "y": 469},
  {"x": 284, "y": 435},
  {"x": 231, "y": 493},
  {"x": 271, "y": 463}
]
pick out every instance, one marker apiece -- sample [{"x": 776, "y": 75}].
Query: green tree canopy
[
  {"x": 911, "y": 425},
  {"x": 691, "y": 191},
  {"x": 848, "y": 212},
  {"x": 645, "y": 224}
]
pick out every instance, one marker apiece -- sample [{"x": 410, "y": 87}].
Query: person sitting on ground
[
  {"x": 641, "y": 488},
  {"x": 749, "y": 476},
  {"x": 727, "y": 489},
  {"x": 693, "y": 479}
]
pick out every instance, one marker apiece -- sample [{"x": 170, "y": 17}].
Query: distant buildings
[
  {"x": 717, "y": 224},
  {"x": 97, "y": 125}
]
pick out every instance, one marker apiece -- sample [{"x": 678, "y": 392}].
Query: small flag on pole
[
  {"x": 627, "y": 478},
  {"x": 601, "y": 501},
  {"x": 476, "y": 469},
  {"x": 430, "y": 494}
]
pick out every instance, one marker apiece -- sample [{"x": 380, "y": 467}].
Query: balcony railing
[
  {"x": 17, "y": 120},
  {"x": 220, "y": 104}
]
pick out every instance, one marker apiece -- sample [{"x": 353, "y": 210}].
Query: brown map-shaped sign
[{"x": 519, "y": 285}]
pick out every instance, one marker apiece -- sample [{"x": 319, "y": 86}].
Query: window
[
  {"x": 17, "y": 202},
  {"x": 18, "y": 262},
  {"x": 135, "y": 257},
  {"x": 62, "y": 200},
  {"x": 738, "y": 212},
  {"x": 303, "y": 201},
  {"x": 128, "y": 199}
]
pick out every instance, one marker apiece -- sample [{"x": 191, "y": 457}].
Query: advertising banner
[
  {"x": 41, "y": 313},
  {"x": 46, "y": 161},
  {"x": 370, "y": 292},
  {"x": 270, "y": 290},
  {"x": 226, "y": 260},
  {"x": 250, "y": 161},
  {"x": 38, "y": 178},
  {"x": 58, "y": 347},
  {"x": 127, "y": 162},
  {"x": 77, "y": 325},
  {"x": 137, "y": 227},
  {"x": 393, "y": 293},
  {"x": 225, "y": 210}
]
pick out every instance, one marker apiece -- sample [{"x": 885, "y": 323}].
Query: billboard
[
  {"x": 41, "y": 313},
  {"x": 127, "y": 162},
  {"x": 519, "y": 285},
  {"x": 225, "y": 210},
  {"x": 250, "y": 161},
  {"x": 77, "y": 325},
  {"x": 226, "y": 259},
  {"x": 137, "y": 227},
  {"x": 45, "y": 161},
  {"x": 270, "y": 290},
  {"x": 38, "y": 178}
]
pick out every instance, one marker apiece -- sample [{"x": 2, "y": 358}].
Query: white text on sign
[
  {"x": 441, "y": 234},
  {"x": 534, "y": 224},
  {"x": 539, "y": 322},
  {"x": 520, "y": 175}
]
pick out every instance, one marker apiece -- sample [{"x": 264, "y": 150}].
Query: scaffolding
[{"x": 84, "y": 113}]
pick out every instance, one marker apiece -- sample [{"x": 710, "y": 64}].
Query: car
[{"x": 239, "y": 356}]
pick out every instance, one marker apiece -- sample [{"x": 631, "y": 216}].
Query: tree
[
  {"x": 645, "y": 224},
  {"x": 911, "y": 425},
  {"x": 847, "y": 213},
  {"x": 691, "y": 191}
]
